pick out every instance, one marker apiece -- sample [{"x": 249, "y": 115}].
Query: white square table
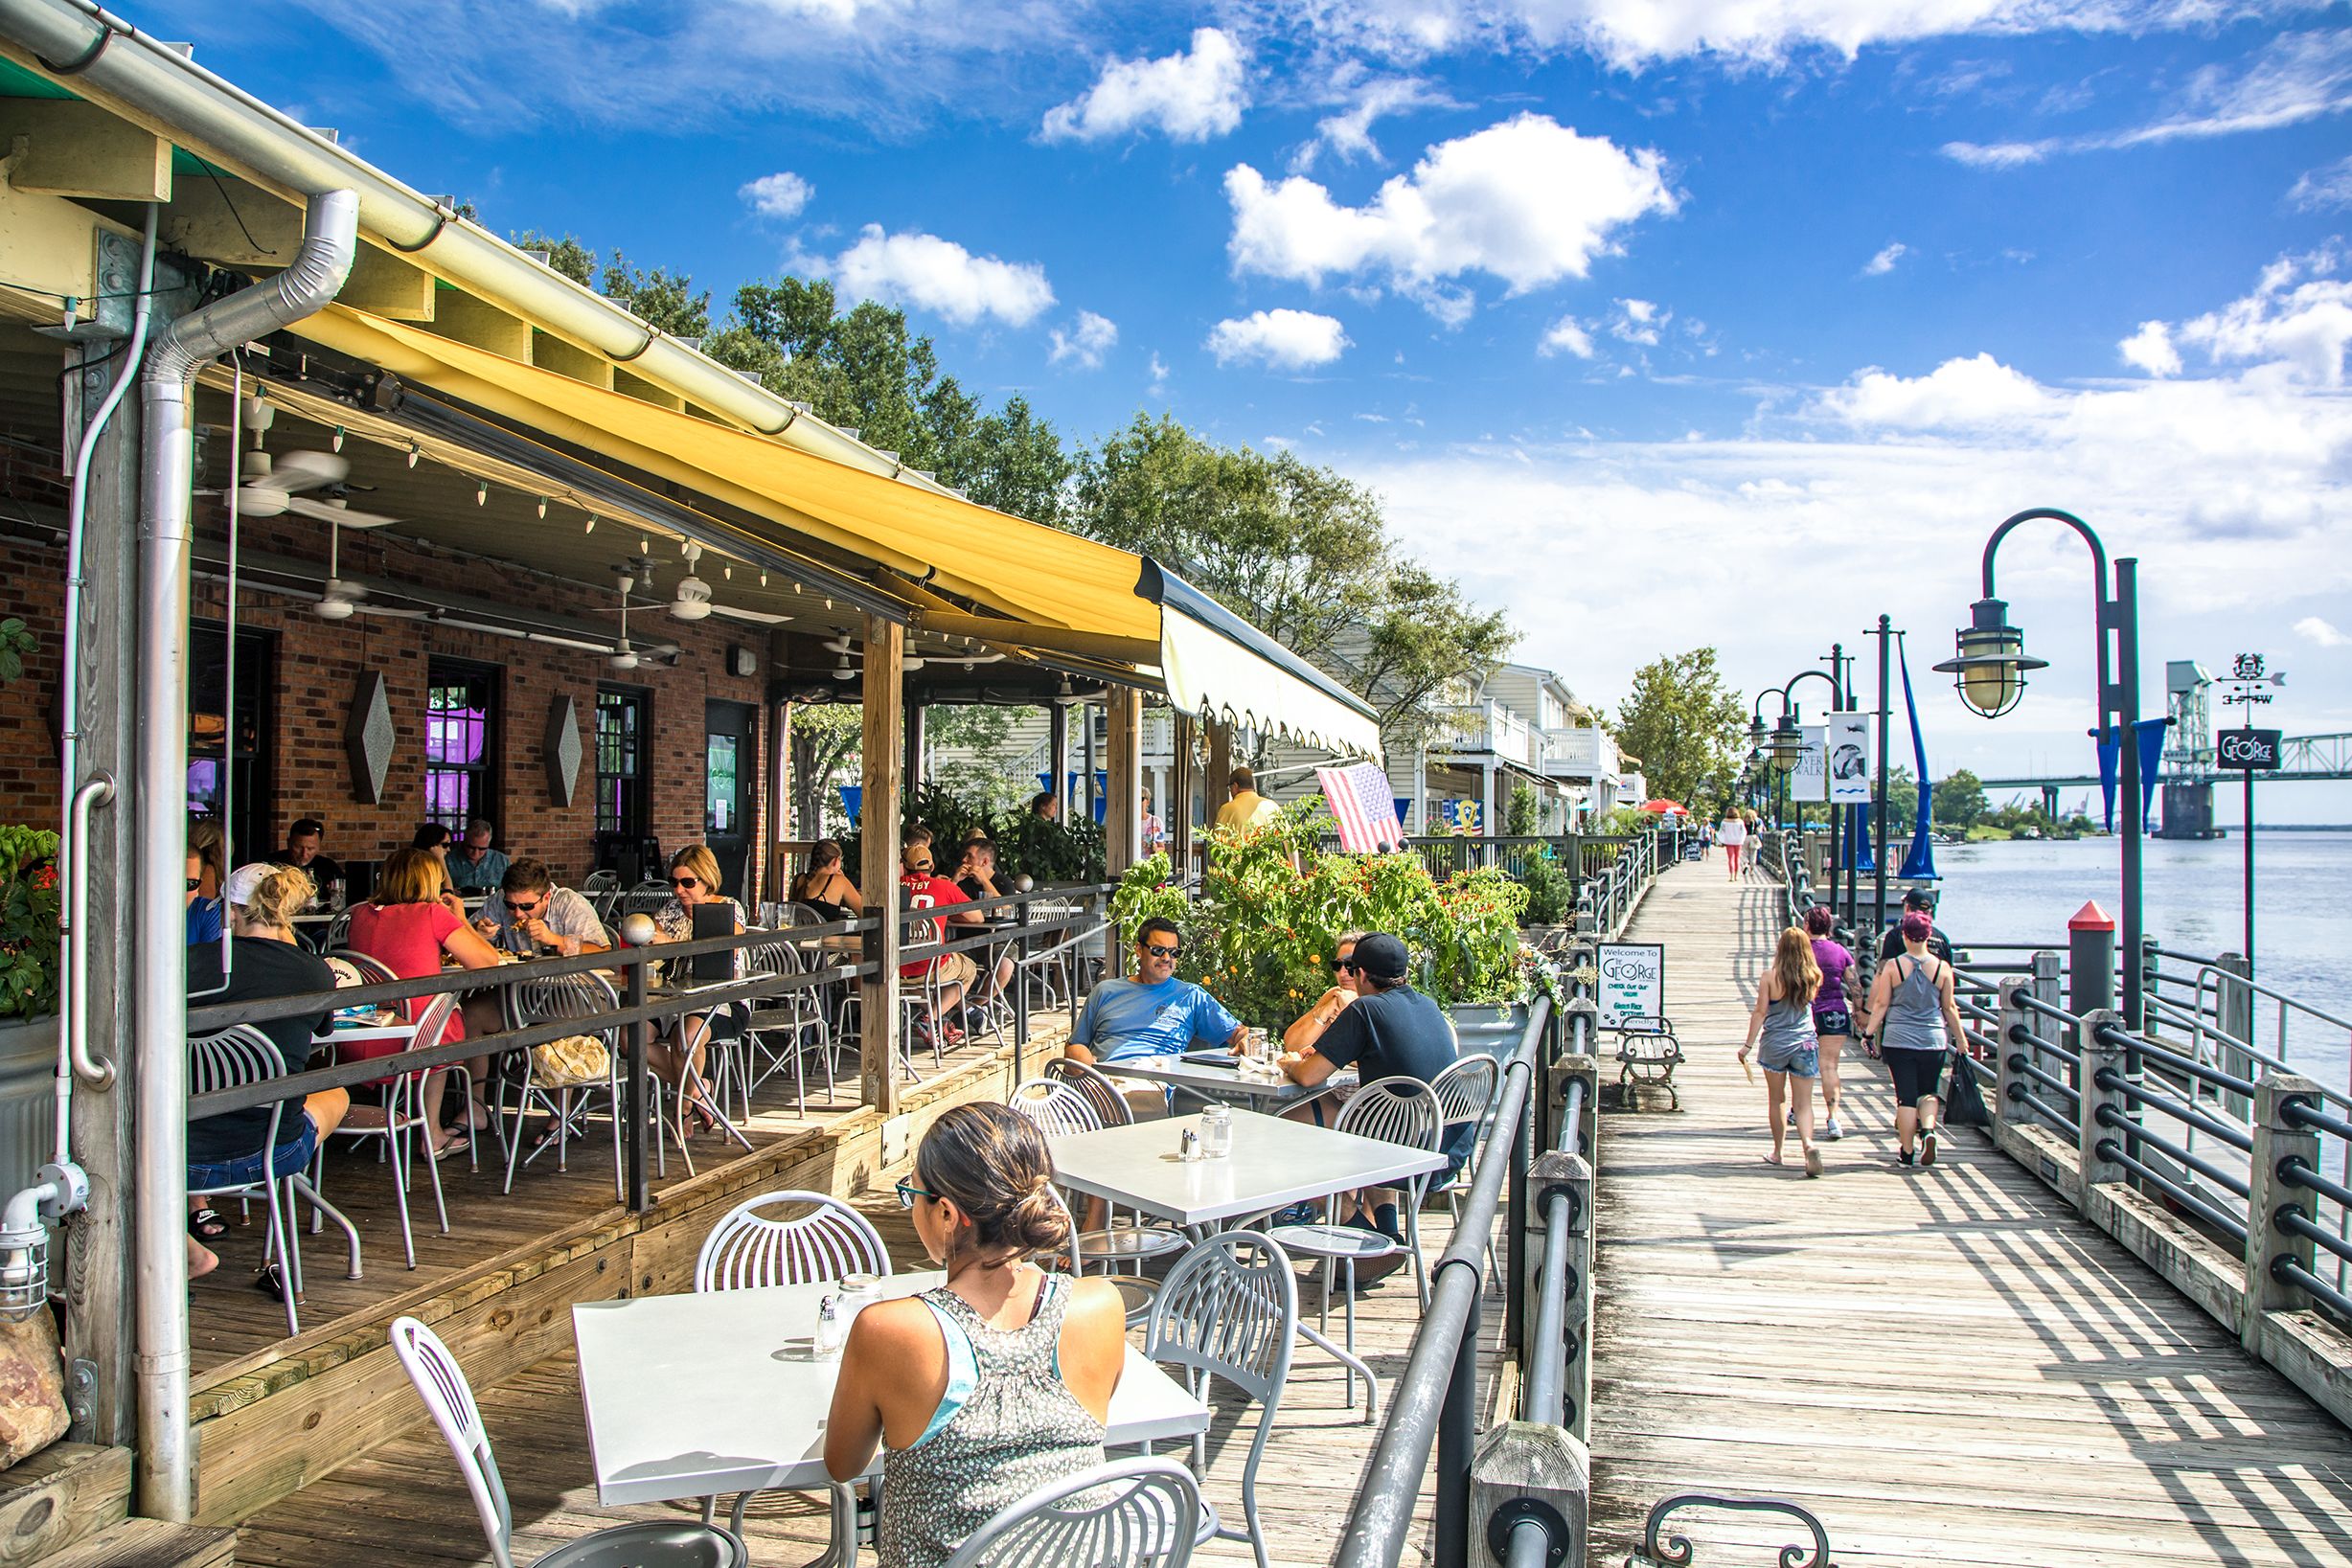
[
  {"x": 691, "y": 1395},
  {"x": 1225, "y": 1083},
  {"x": 1274, "y": 1163}
]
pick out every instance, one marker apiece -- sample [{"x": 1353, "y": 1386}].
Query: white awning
[{"x": 1209, "y": 673}]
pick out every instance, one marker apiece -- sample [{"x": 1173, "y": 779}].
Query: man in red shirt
[{"x": 920, "y": 887}]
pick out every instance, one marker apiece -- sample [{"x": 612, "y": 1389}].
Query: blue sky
[{"x": 1657, "y": 322}]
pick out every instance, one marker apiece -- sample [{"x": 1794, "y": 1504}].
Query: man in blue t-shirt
[{"x": 1152, "y": 1014}]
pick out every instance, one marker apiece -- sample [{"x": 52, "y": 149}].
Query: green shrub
[
  {"x": 30, "y": 942},
  {"x": 1551, "y": 892}
]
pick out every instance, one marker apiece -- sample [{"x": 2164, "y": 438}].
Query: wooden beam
[
  {"x": 878, "y": 821},
  {"x": 1123, "y": 816},
  {"x": 227, "y": 221},
  {"x": 69, "y": 149},
  {"x": 463, "y": 318},
  {"x": 551, "y": 352},
  {"x": 49, "y": 246},
  {"x": 646, "y": 392},
  {"x": 1058, "y": 752},
  {"x": 1176, "y": 813},
  {"x": 1212, "y": 789},
  {"x": 383, "y": 285}
]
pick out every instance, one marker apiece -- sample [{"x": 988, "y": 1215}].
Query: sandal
[
  {"x": 457, "y": 1143},
  {"x": 205, "y": 1224},
  {"x": 270, "y": 1282}
]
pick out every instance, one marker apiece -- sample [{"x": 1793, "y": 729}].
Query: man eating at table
[{"x": 1151, "y": 1014}]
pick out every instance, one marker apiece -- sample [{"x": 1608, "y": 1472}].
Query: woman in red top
[{"x": 407, "y": 926}]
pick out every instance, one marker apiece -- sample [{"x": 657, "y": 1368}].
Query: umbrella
[{"x": 1662, "y": 808}]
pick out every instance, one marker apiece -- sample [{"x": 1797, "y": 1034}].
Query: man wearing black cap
[
  {"x": 1918, "y": 901},
  {"x": 1390, "y": 1031}
]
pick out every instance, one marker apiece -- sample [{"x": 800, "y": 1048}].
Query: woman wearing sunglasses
[
  {"x": 1300, "y": 1037},
  {"x": 693, "y": 881},
  {"x": 993, "y": 1384}
]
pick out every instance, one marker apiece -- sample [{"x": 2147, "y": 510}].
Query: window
[
  {"x": 718, "y": 793},
  {"x": 460, "y": 723},
  {"x": 622, "y": 728},
  {"x": 216, "y": 759}
]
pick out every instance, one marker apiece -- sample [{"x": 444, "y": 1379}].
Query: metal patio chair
[
  {"x": 1229, "y": 1310},
  {"x": 585, "y": 997},
  {"x": 665, "y": 1543},
  {"x": 403, "y": 1108},
  {"x": 1466, "y": 1094},
  {"x": 795, "y": 1015},
  {"x": 230, "y": 1060},
  {"x": 1056, "y": 1106},
  {"x": 1136, "y": 1513}
]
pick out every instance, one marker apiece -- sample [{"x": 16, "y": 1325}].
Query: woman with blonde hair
[
  {"x": 1790, "y": 1053},
  {"x": 993, "y": 1384},
  {"x": 408, "y": 926},
  {"x": 693, "y": 881}
]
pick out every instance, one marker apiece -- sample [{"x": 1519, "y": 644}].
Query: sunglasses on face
[
  {"x": 1155, "y": 950},
  {"x": 523, "y": 908},
  {"x": 908, "y": 1191},
  {"x": 685, "y": 881}
]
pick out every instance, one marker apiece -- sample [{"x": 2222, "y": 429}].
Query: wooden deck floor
[
  {"x": 1946, "y": 1366},
  {"x": 408, "y": 1491},
  {"x": 229, "y": 1320}
]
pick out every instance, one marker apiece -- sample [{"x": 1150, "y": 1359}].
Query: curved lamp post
[{"x": 1988, "y": 669}]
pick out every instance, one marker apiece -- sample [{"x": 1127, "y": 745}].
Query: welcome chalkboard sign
[{"x": 1631, "y": 980}]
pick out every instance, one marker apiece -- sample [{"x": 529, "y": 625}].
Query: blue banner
[
  {"x": 2151, "y": 760},
  {"x": 851, "y": 796},
  {"x": 1860, "y": 855},
  {"x": 2111, "y": 758},
  {"x": 1919, "y": 862}
]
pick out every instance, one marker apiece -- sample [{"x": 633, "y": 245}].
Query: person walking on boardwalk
[
  {"x": 1833, "y": 1019},
  {"x": 1732, "y": 835},
  {"x": 1912, "y": 1014},
  {"x": 1790, "y": 1055}
]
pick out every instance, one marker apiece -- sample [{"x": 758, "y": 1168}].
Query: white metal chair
[
  {"x": 795, "y": 1015},
  {"x": 1396, "y": 1111},
  {"x": 403, "y": 1108},
  {"x": 230, "y": 1060},
  {"x": 1109, "y": 1105},
  {"x": 1229, "y": 1310},
  {"x": 1056, "y": 1105},
  {"x": 1466, "y": 1094},
  {"x": 665, "y": 1543},
  {"x": 1135, "y": 1293},
  {"x": 586, "y": 997},
  {"x": 372, "y": 971},
  {"x": 1135, "y": 1513},
  {"x": 601, "y": 889},
  {"x": 1054, "y": 1108},
  {"x": 745, "y": 1251}
]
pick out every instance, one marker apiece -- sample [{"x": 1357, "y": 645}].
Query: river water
[{"x": 2026, "y": 891}]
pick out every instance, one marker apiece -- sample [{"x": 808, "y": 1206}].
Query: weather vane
[{"x": 2248, "y": 675}]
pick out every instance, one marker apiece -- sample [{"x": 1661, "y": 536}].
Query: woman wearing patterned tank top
[{"x": 993, "y": 1384}]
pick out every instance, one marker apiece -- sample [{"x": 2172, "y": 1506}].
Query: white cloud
[
  {"x": 2151, "y": 349},
  {"x": 2294, "y": 77},
  {"x": 2298, "y": 319},
  {"x": 1280, "y": 339},
  {"x": 1528, "y": 201},
  {"x": 938, "y": 275},
  {"x": 1348, "y": 134},
  {"x": 2321, "y": 189},
  {"x": 1883, "y": 262},
  {"x": 1567, "y": 335},
  {"x": 1188, "y": 97},
  {"x": 1960, "y": 394},
  {"x": 781, "y": 196},
  {"x": 2313, "y": 628},
  {"x": 1638, "y": 321},
  {"x": 1087, "y": 342},
  {"x": 1160, "y": 373}
]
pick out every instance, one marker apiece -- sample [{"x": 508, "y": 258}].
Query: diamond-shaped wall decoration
[
  {"x": 563, "y": 750},
  {"x": 368, "y": 737}
]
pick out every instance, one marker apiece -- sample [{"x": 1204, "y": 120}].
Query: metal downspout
[{"x": 159, "y": 1183}]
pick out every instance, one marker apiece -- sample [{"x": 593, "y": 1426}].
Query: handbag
[
  {"x": 1963, "y": 1102},
  {"x": 571, "y": 1062}
]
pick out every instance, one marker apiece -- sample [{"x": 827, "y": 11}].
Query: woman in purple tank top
[{"x": 1833, "y": 1017}]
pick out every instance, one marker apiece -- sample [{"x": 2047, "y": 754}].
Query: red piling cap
[{"x": 2092, "y": 918}]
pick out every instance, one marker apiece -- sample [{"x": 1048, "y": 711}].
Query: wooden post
[
  {"x": 1058, "y": 748},
  {"x": 2275, "y": 1143},
  {"x": 92, "y": 1266},
  {"x": 1542, "y": 1473},
  {"x": 915, "y": 727},
  {"x": 1221, "y": 769},
  {"x": 2234, "y": 1007},
  {"x": 1175, "y": 808},
  {"x": 1123, "y": 818},
  {"x": 2049, "y": 976},
  {"x": 885, "y": 697},
  {"x": 2012, "y": 1016}
]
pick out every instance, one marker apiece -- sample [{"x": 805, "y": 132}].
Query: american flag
[{"x": 1363, "y": 806}]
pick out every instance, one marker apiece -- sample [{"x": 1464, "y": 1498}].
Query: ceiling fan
[
  {"x": 624, "y": 656},
  {"x": 270, "y": 487},
  {"x": 843, "y": 669},
  {"x": 694, "y": 600}
]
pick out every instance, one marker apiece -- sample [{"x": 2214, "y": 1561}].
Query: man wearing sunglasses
[
  {"x": 1150, "y": 1013},
  {"x": 533, "y": 917}
]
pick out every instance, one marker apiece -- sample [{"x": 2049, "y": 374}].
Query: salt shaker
[
  {"x": 833, "y": 1330},
  {"x": 1216, "y": 1132},
  {"x": 1188, "y": 1146}
]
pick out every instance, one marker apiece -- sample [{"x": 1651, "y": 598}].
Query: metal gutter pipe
[
  {"x": 159, "y": 1181},
  {"x": 110, "y": 62}
]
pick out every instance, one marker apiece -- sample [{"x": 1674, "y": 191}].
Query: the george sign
[
  {"x": 1632, "y": 981},
  {"x": 1848, "y": 758},
  {"x": 2248, "y": 751},
  {"x": 1808, "y": 778}
]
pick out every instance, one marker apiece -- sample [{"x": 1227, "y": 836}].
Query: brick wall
[{"x": 318, "y": 663}]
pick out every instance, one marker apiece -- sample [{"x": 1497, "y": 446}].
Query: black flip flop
[
  {"x": 205, "y": 1224},
  {"x": 270, "y": 1282}
]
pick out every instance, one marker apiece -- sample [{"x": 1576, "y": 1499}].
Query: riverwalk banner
[
  {"x": 1849, "y": 759},
  {"x": 1809, "y": 778}
]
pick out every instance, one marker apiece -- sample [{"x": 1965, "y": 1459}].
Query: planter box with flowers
[{"x": 1274, "y": 905}]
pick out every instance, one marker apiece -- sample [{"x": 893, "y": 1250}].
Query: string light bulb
[
  {"x": 591, "y": 527},
  {"x": 481, "y": 492},
  {"x": 727, "y": 571},
  {"x": 338, "y": 438},
  {"x": 644, "y": 547},
  {"x": 543, "y": 505},
  {"x": 414, "y": 453},
  {"x": 763, "y": 579}
]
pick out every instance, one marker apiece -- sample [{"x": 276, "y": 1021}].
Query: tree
[
  {"x": 825, "y": 737},
  {"x": 1959, "y": 801},
  {"x": 1428, "y": 643},
  {"x": 1685, "y": 726},
  {"x": 655, "y": 296}
]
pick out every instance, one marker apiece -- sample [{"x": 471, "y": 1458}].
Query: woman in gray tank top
[
  {"x": 1911, "y": 1012},
  {"x": 1783, "y": 1017},
  {"x": 995, "y": 1383}
]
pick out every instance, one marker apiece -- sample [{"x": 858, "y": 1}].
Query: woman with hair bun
[
  {"x": 995, "y": 1383},
  {"x": 1912, "y": 1014}
]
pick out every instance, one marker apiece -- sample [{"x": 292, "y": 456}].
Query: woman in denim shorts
[{"x": 1783, "y": 1016}]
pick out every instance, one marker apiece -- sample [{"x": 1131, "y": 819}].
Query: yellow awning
[{"x": 1020, "y": 569}]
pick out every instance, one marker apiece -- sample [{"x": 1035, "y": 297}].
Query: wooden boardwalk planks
[{"x": 1946, "y": 1366}]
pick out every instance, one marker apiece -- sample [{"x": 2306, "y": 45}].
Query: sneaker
[
  {"x": 1831, "y": 1131},
  {"x": 1297, "y": 1213},
  {"x": 1926, "y": 1147},
  {"x": 1792, "y": 1119},
  {"x": 1903, "y": 1157}
]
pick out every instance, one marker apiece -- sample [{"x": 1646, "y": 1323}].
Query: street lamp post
[{"x": 1990, "y": 668}]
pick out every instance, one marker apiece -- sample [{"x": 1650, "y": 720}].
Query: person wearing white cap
[{"x": 225, "y": 1149}]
